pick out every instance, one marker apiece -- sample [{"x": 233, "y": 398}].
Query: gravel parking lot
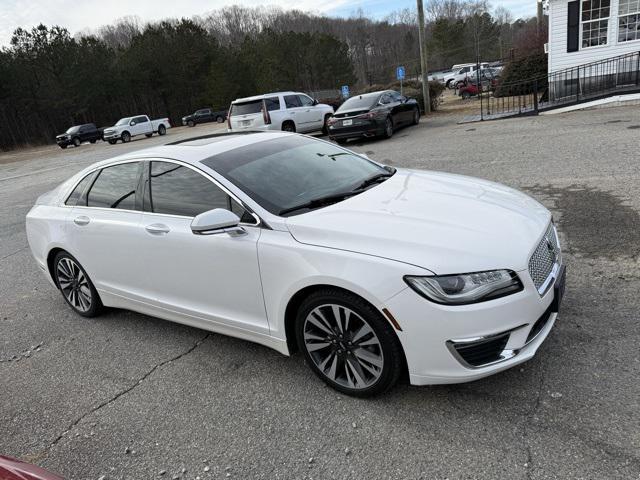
[{"x": 129, "y": 396}]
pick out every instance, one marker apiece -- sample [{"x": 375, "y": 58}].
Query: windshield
[
  {"x": 359, "y": 102},
  {"x": 123, "y": 121},
  {"x": 288, "y": 171},
  {"x": 73, "y": 129}
]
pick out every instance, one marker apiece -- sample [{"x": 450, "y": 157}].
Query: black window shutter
[{"x": 573, "y": 26}]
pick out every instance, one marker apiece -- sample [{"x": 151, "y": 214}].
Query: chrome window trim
[{"x": 259, "y": 222}]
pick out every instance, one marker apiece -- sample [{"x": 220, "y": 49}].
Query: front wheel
[
  {"x": 416, "y": 116},
  {"x": 113, "y": 141},
  {"x": 348, "y": 343},
  {"x": 76, "y": 286},
  {"x": 162, "y": 130},
  {"x": 466, "y": 95},
  {"x": 63, "y": 147},
  {"x": 126, "y": 137},
  {"x": 148, "y": 135},
  {"x": 191, "y": 123},
  {"x": 76, "y": 142},
  {"x": 219, "y": 119},
  {"x": 325, "y": 125}
]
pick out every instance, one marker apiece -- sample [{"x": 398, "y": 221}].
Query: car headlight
[{"x": 467, "y": 287}]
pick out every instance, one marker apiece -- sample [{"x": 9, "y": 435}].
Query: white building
[{"x": 584, "y": 31}]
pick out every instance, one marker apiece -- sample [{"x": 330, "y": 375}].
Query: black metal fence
[{"x": 573, "y": 85}]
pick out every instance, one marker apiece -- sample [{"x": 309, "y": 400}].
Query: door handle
[
  {"x": 81, "y": 220},
  {"x": 157, "y": 229}
]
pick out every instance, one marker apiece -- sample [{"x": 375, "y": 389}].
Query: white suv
[{"x": 289, "y": 111}]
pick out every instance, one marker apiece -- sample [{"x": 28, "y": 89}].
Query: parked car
[
  {"x": 12, "y": 469},
  {"x": 79, "y": 134},
  {"x": 204, "y": 115},
  {"x": 372, "y": 115},
  {"x": 127, "y": 128},
  {"x": 299, "y": 244},
  {"x": 460, "y": 73},
  {"x": 469, "y": 88},
  {"x": 288, "y": 111}
]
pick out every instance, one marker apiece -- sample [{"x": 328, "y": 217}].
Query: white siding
[{"x": 558, "y": 56}]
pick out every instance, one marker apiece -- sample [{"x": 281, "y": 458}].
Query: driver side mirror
[
  {"x": 132, "y": 123},
  {"x": 216, "y": 221},
  {"x": 315, "y": 102}
]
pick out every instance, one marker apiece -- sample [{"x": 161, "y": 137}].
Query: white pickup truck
[{"x": 127, "y": 128}]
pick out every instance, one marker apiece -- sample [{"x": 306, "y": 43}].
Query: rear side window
[
  {"x": 77, "y": 197},
  {"x": 273, "y": 103},
  {"x": 292, "y": 101},
  {"x": 246, "y": 108},
  {"x": 115, "y": 187},
  {"x": 177, "y": 190}
]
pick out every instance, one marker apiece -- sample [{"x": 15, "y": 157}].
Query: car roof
[
  {"x": 265, "y": 95},
  {"x": 195, "y": 149}
]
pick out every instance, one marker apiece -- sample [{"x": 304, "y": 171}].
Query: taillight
[
  {"x": 265, "y": 113},
  {"x": 229, "y": 117},
  {"x": 367, "y": 116},
  {"x": 332, "y": 121}
]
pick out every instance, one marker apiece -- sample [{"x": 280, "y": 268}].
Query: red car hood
[{"x": 12, "y": 469}]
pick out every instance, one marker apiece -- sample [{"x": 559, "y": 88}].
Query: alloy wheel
[
  {"x": 74, "y": 284},
  {"x": 343, "y": 346}
]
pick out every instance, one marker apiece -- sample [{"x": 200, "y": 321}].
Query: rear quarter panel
[{"x": 46, "y": 229}]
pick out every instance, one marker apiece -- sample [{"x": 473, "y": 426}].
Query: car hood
[{"x": 441, "y": 222}]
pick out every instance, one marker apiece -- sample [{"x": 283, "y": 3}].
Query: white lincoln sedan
[{"x": 298, "y": 244}]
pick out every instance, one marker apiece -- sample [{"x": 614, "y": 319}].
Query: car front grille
[{"x": 546, "y": 255}]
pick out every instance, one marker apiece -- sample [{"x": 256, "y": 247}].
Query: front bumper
[
  {"x": 455, "y": 344},
  {"x": 111, "y": 136}
]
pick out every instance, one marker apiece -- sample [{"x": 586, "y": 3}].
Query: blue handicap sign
[
  {"x": 400, "y": 73},
  {"x": 345, "y": 91}
]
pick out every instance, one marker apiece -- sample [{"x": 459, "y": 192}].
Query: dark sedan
[
  {"x": 79, "y": 134},
  {"x": 372, "y": 115},
  {"x": 204, "y": 115}
]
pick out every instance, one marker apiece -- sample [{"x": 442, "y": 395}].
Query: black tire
[
  {"x": 76, "y": 142},
  {"x": 466, "y": 95},
  {"x": 341, "y": 141},
  {"x": 61, "y": 264},
  {"x": 112, "y": 141},
  {"x": 416, "y": 117},
  {"x": 388, "y": 349},
  {"x": 191, "y": 123},
  {"x": 325, "y": 126},
  {"x": 92, "y": 141},
  {"x": 219, "y": 119},
  {"x": 450, "y": 84},
  {"x": 388, "y": 128},
  {"x": 126, "y": 137},
  {"x": 162, "y": 130},
  {"x": 148, "y": 135},
  {"x": 289, "y": 126},
  {"x": 63, "y": 146}
]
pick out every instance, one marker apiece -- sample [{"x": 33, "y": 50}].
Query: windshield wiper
[
  {"x": 378, "y": 177},
  {"x": 319, "y": 202}
]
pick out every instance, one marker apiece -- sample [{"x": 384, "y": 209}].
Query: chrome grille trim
[{"x": 545, "y": 261}]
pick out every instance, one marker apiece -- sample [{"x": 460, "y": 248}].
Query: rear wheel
[
  {"x": 416, "y": 116},
  {"x": 126, "y": 137},
  {"x": 388, "y": 128},
  {"x": 76, "y": 142},
  {"x": 341, "y": 141},
  {"x": 76, "y": 286},
  {"x": 348, "y": 343},
  {"x": 219, "y": 119},
  {"x": 289, "y": 126},
  {"x": 162, "y": 130},
  {"x": 466, "y": 95}
]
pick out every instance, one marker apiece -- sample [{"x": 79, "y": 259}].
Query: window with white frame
[
  {"x": 629, "y": 20},
  {"x": 594, "y": 22}
]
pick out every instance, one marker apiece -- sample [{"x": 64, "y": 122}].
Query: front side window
[
  {"x": 594, "y": 22},
  {"x": 305, "y": 101},
  {"x": 292, "y": 101},
  {"x": 288, "y": 171},
  {"x": 178, "y": 190},
  {"x": 629, "y": 20},
  {"x": 115, "y": 187}
]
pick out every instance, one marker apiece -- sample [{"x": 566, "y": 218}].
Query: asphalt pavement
[{"x": 127, "y": 396}]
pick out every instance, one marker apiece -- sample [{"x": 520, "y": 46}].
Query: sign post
[
  {"x": 400, "y": 73},
  {"x": 345, "y": 91}
]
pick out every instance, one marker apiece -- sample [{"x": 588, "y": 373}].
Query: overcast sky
[{"x": 81, "y": 15}]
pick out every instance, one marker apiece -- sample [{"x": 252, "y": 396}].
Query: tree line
[{"x": 50, "y": 79}]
